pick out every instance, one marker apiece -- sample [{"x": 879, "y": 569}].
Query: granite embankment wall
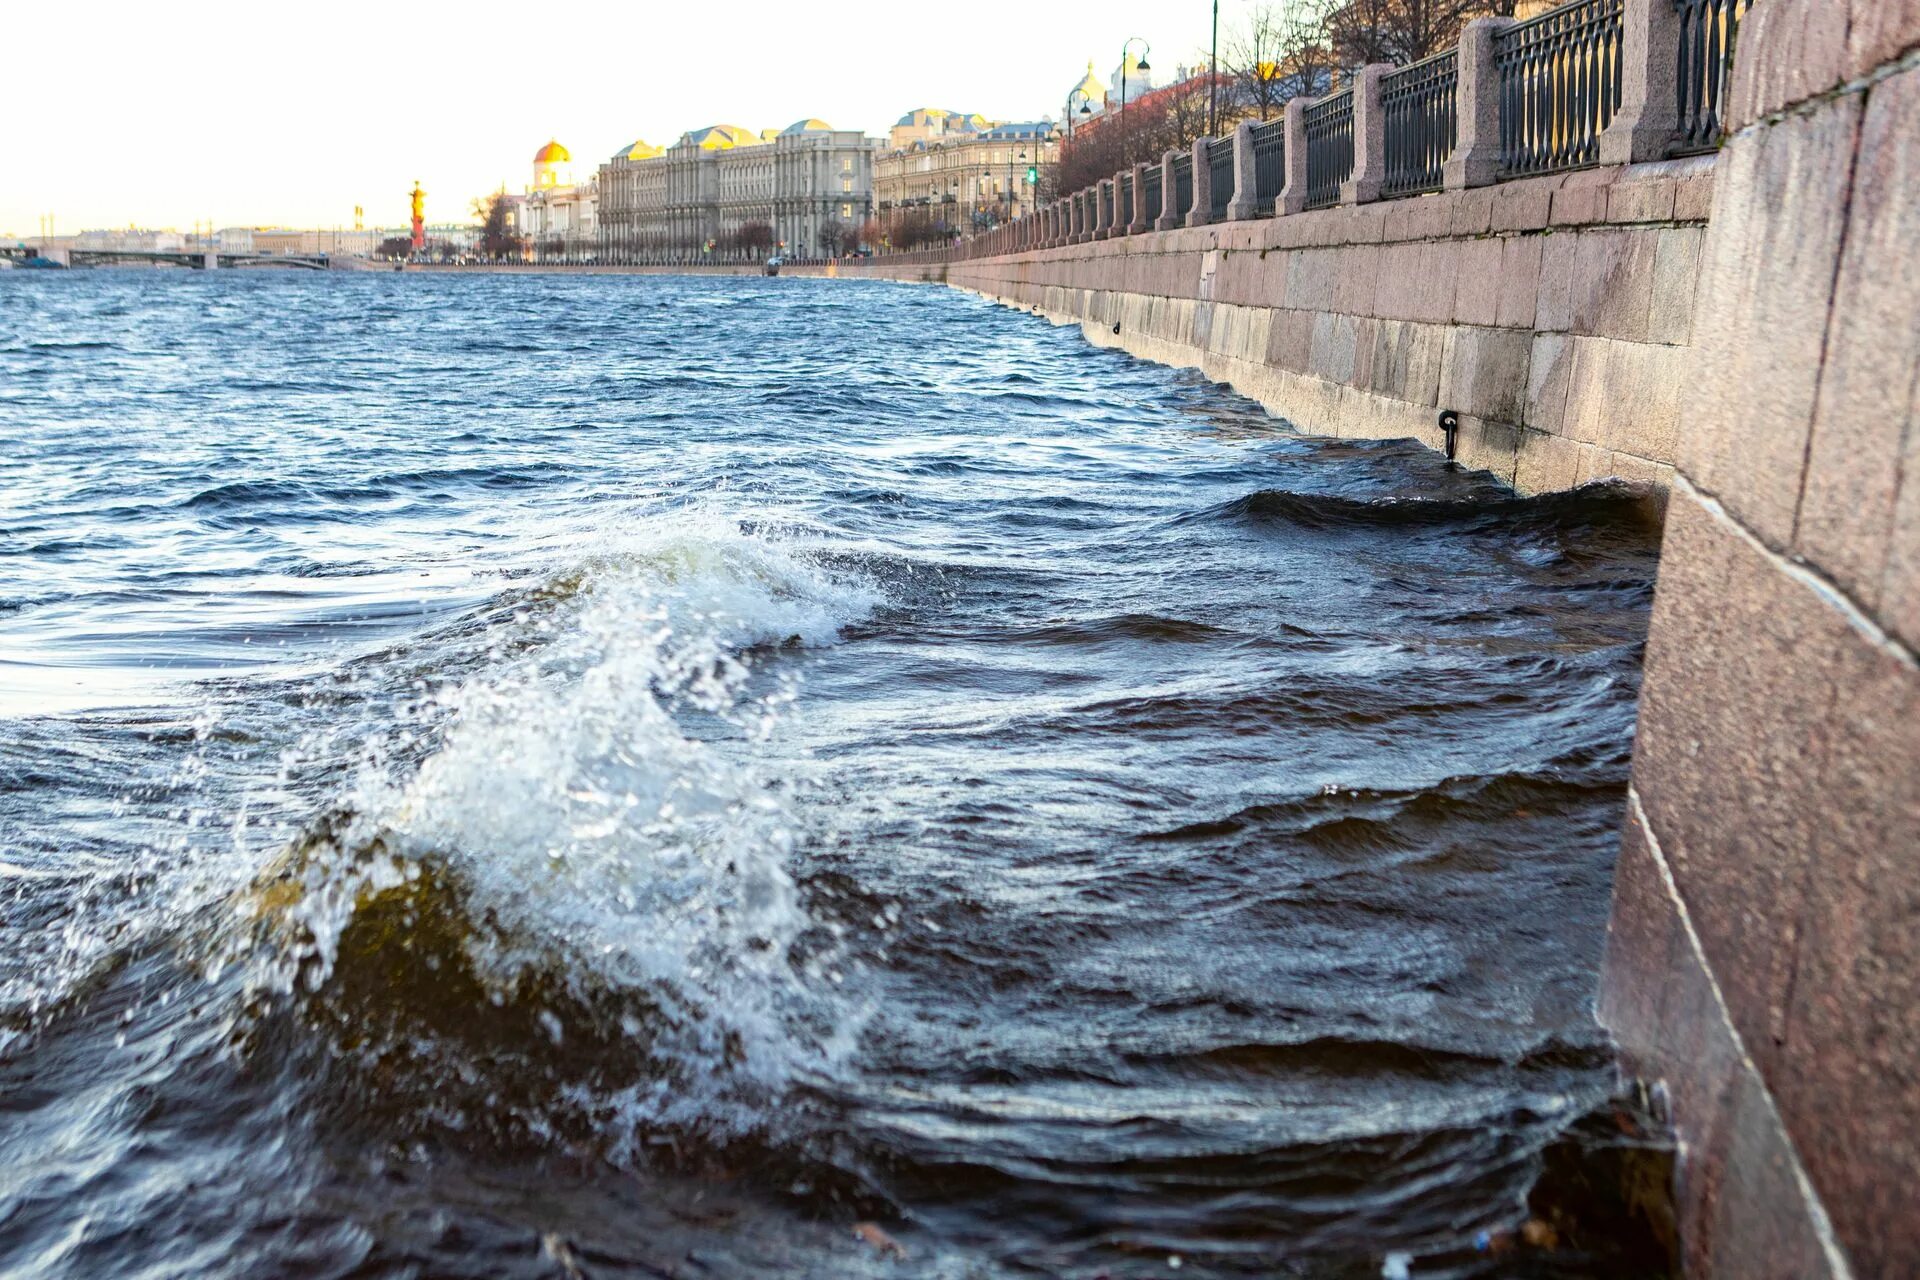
[
  {"x": 1765, "y": 950},
  {"x": 1552, "y": 314}
]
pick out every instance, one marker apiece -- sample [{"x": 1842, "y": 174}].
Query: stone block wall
[
  {"x": 1552, "y": 314},
  {"x": 1764, "y": 957}
]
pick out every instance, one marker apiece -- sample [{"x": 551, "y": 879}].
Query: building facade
[
  {"x": 558, "y": 218},
  {"x": 959, "y": 172},
  {"x": 724, "y": 191}
]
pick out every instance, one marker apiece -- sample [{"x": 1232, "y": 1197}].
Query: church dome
[
  {"x": 1091, "y": 86},
  {"x": 809, "y": 125},
  {"x": 553, "y": 153}
]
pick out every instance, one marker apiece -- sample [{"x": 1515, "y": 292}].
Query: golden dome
[
  {"x": 1091, "y": 86},
  {"x": 553, "y": 153}
]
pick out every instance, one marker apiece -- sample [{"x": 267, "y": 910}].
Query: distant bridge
[{"x": 199, "y": 261}]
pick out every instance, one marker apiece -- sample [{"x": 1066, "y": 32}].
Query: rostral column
[{"x": 419, "y": 217}]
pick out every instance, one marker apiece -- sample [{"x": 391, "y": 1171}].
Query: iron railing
[
  {"x": 1559, "y": 86},
  {"x": 1708, "y": 29},
  {"x": 1269, "y": 164},
  {"x": 1329, "y": 148},
  {"x": 1220, "y": 176},
  {"x": 1422, "y": 123},
  {"x": 1182, "y": 185}
]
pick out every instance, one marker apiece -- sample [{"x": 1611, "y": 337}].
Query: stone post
[
  {"x": 1369, "y": 137},
  {"x": 1293, "y": 195},
  {"x": 1202, "y": 185},
  {"x": 1139, "y": 224},
  {"x": 1082, "y": 226},
  {"x": 1246, "y": 177},
  {"x": 1475, "y": 161},
  {"x": 1649, "y": 112},
  {"x": 1167, "y": 221},
  {"x": 1103, "y": 196}
]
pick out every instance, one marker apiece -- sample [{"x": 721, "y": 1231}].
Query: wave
[
  {"x": 251, "y": 493},
  {"x": 558, "y": 895},
  {"x": 1602, "y": 503}
]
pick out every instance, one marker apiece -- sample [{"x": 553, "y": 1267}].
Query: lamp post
[
  {"x": 1126, "y": 143},
  {"x": 1213, "y": 77},
  {"x": 1085, "y": 110}
]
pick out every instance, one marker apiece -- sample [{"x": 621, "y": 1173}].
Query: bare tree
[
  {"x": 1280, "y": 53},
  {"x": 1398, "y": 31},
  {"x": 753, "y": 238},
  {"x": 498, "y": 238}
]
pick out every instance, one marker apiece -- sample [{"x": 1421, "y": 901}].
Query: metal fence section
[
  {"x": 1422, "y": 123},
  {"x": 1183, "y": 185},
  {"x": 1329, "y": 148},
  {"x": 1153, "y": 194},
  {"x": 1708, "y": 29},
  {"x": 1559, "y": 86},
  {"x": 1220, "y": 176},
  {"x": 1126, "y": 203},
  {"x": 1269, "y": 163}
]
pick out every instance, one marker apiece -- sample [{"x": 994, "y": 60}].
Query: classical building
[
  {"x": 725, "y": 191},
  {"x": 558, "y": 217},
  {"x": 951, "y": 171},
  {"x": 633, "y": 201},
  {"x": 931, "y": 124}
]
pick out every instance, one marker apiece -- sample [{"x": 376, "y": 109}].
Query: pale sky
[{"x": 163, "y": 116}]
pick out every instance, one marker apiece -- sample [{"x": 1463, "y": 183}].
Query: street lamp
[
  {"x": 1085, "y": 110},
  {"x": 1213, "y": 76},
  {"x": 1126, "y": 143}
]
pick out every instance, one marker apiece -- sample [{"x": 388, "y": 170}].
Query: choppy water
[{"x": 633, "y": 777}]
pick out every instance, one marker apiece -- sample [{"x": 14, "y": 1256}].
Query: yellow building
[
  {"x": 960, "y": 171},
  {"x": 558, "y": 217}
]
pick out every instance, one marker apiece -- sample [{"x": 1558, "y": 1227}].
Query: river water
[{"x": 638, "y": 776}]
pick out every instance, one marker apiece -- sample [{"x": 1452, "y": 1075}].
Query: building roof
[
  {"x": 637, "y": 150},
  {"x": 810, "y": 125},
  {"x": 953, "y": 120},
  {"x": 1019, "y": 131},
  {"x": 719, "y": 137},
  {"x": 552, "y": 153}
]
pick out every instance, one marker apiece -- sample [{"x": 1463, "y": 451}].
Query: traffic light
[{"x": 1033, "y": 175}]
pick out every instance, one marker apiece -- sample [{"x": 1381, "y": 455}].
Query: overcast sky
[{"x": 163, "y": 115}]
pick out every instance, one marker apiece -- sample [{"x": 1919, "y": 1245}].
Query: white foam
[{"x": 605, "y": 841}]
